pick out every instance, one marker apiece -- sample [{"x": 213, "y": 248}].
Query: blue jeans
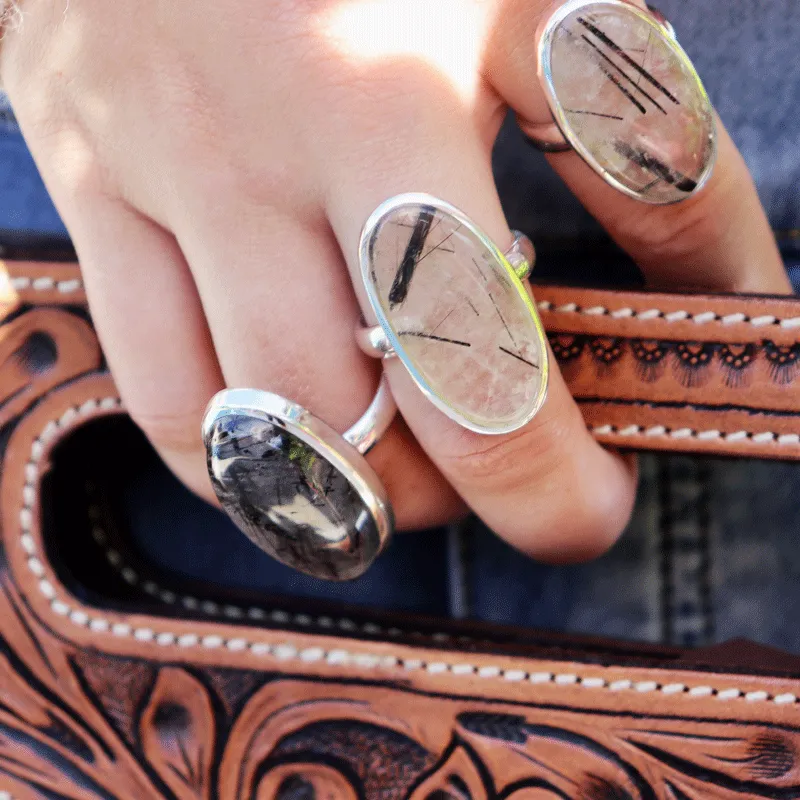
[{"x": 710, "y": 552}]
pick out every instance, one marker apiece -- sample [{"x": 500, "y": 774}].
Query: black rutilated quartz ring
[{"x": 299, "y": 490}]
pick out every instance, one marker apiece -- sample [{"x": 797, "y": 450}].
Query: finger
[
  {"x": 152, "y": 328},
  {"x": 283, "y": 318},
  {"x": 717, "y": 239},
  {"x": 547, "y": 488}
]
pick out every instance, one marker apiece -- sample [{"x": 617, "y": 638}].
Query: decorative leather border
[
  {"x": 651, "y": 371},
  {"x": 655, "y": 371},
  {"x": 42, "y": 283}
]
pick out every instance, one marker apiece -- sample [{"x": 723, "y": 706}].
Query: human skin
[{"x": 214, "y": 164}]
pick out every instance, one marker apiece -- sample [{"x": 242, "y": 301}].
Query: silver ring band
[
  {"x": 546, "y": 138},
  {"x": 373, "y": 341},
  {"x": 364, "y": 435},
  {"x": 661, "y": 18},
  {"x": 521, "y": 255}
]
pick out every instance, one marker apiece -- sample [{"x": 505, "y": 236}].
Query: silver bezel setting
[
  {"x": 397, "y": 348},
  {"x": 545, "y": 38}
]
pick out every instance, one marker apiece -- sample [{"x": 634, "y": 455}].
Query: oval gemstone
[
  {"x": 628, "y": 99},
  {"x": 456, "y": 314},
  {"x": 287, "y": 497}
]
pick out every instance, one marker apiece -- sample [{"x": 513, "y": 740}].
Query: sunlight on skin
[
  {"x": 73, "y": 155},
  {"x": 73, "y": 158},
  {"x": 446, "y": 34}
]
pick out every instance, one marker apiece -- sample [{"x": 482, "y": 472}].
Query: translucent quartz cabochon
[
  {"x": 458, "y": 316},
  {"x": 627, "y": 95}
]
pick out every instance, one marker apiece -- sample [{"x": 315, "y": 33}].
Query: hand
[{"x": 214, "y": 163}]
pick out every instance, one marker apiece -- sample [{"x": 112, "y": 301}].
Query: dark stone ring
[{"x": 299, "y": 490}]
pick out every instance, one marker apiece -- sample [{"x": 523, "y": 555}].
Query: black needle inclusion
[
  {"x": 435, "y": 338},
  {"x": 656, "y": 167},
  {"x": 405, "y": 272},
  {"x": 611, "y": 44},
  {"x": 519, "y": 358},
  {"x": 624, "y": 75},
  {"x": 594, "y": 114}
]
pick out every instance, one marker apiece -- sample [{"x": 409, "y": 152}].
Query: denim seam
[
  {"x": 459, "y": 552},
  {"x": 665, "y": 551},
  {"x": 685, "y": 552},
  {"x": 706, "y": 568}
]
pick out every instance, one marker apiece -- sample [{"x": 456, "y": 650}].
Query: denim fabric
[
  {"x": 24, "y": 204},
  {"x": 712, "y": 550},
  {"x": 180, "y": 533}
]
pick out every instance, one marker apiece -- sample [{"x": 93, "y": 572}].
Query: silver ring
[
  {"x": 453, "y": 307},
  {"x": 521, "y": 255},
  {"x": 626, "y": 98},
  {"x": 297, "y": 489},
  {"x": 547, "y": 137},
  {"x": 662, "y": 20},
  {"x": 373, "y": 340}
]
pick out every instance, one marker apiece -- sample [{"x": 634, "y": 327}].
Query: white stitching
[
  {"x": 228, "y": 611},
  {"x": 701, "y": 318},
  {"x": 45, "y": 283},
  {"x": 659, "y": 431},
  {"x": 289, "y": 652}
]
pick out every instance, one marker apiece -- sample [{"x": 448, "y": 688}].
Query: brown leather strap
[
  {"x": 651, "y": 371},
  {"x": 699, "y": 373},
  {"x": 41, "y": 283}
]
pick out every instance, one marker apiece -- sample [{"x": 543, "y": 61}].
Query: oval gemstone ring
[
  {"x": 295, "y": 487},
  {"x": 453, "y": 308},
  {"x": 626, "y": 98}
]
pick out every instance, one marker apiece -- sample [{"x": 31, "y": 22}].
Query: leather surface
[
  {"x": 693, "y": 373},
  {"x": 108, "y": 694}
]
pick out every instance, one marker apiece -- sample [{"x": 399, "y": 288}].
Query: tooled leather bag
[{"x": 111, "y": 688}]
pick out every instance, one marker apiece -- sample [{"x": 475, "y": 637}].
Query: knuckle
[
  {"x": 527, "y": 456},
  {"x": 69, "y": 158},
  {"x": 595, "y": 517},
  {"x": 280, "y": 189},
  {"x": 579, "y": 517}
]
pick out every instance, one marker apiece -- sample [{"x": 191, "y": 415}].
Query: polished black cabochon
[{"x": 292, "y": 495}]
